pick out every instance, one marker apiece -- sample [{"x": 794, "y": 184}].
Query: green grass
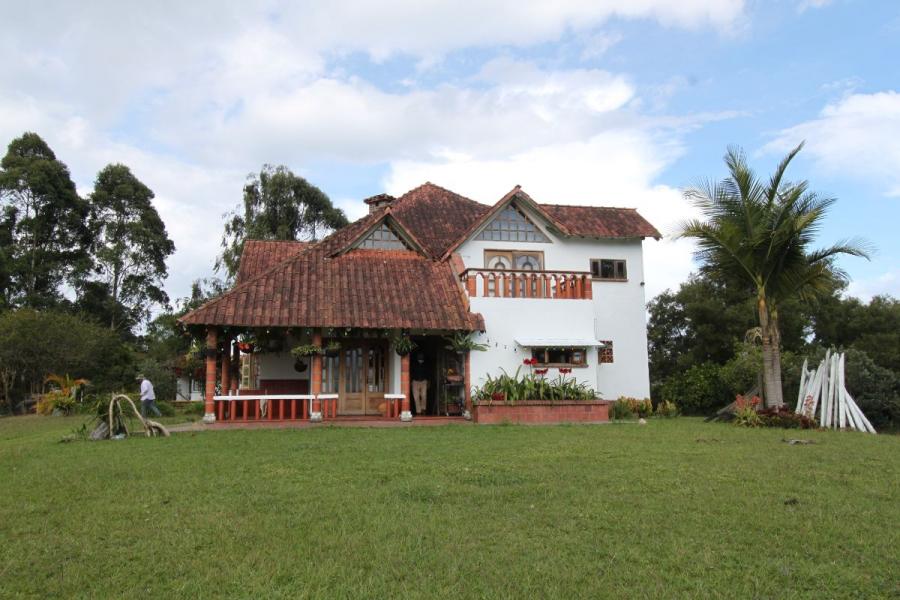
[{"x": 675, "y": 508}]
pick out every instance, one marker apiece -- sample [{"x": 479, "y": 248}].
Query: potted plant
[
  {"x": 333, "y": 349},
  {"x": 403, "y": 345}
]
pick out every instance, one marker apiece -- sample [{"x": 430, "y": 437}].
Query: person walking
[{"x": 148, "y": 398}]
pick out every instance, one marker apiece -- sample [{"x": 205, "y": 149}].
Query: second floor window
[
  {"x": 607, "y": 268},
  {"x": 511, "y": 225}
]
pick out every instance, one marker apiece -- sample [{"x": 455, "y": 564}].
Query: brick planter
[{"x": 542, "y": 411}]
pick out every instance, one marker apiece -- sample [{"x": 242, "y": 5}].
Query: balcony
[{"x": 510, "y": 283}]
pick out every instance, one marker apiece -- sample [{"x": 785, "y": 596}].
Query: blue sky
[{"x": 596, "y": 102}]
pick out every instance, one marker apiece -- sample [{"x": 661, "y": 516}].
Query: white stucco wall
[
  {"x": 617, "y": 313},
  {"x": 280, "y": 366}
]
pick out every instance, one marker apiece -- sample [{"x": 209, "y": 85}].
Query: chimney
[{"x": 376, "y": 202}]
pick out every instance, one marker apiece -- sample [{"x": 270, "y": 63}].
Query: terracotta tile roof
[
  {"x": 259, "y": 255},
  {"x": 436, "y": 216},
  {"x": 601, "y": 221},
  {"x": 360, "y": 288},
  {"x": 331, "y": 284}
]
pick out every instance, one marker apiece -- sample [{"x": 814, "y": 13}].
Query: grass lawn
[{"x": 675, "y": 508}]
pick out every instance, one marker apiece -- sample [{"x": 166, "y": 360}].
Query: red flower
[
  {"x": 565, "y": 371},
  {"x": 541, "y": 371}
]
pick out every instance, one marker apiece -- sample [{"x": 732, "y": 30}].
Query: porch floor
[{"x": 361, "y": 421}]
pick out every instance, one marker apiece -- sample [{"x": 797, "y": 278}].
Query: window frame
[
  {"x": 544, "y": 362},
  {"x": 512, "y": 255},
  {"x": 517, "y": 234},
  {"x": 615, "y": 263}
]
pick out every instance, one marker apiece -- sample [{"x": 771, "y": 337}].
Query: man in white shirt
[{"x": 148, "y": 398}]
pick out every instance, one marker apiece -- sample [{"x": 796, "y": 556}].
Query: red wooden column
[
  {"x": 315, "y": 381},
  {"x": 405, "y": 414},
  {"x": 226, "y": 366},
  {"x": 235, "y": 368},
  {"x": 211, "y": 347}
]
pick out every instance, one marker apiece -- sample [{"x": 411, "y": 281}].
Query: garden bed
[{"x": 542, "y": 411}]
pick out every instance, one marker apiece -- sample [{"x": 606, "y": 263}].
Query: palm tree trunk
[
  {"x": 776, "y": 360},
  {"x": 771, "y": 357}
]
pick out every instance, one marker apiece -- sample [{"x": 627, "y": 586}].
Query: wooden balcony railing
[{"x": 561, "y": 285}]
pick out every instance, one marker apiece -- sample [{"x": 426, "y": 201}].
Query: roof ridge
[{"x": 587, "y": 206}]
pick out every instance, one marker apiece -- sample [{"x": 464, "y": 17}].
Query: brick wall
[{"x": 542, "y": 412}]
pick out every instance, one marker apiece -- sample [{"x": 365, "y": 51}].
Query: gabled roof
[
  {"x": 333, "y": 283},
  {"x": 360, "y": 288},
  {"x": 259, "y": 255}
]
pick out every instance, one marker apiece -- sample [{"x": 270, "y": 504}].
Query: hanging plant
[
  {"x": 300, "y": 365},
  {"x": 402, "y": 345},
  {"x": 461, "y": 342},
  {"x": 333, "y": 349},
  {"x": 305, "y": 350}
]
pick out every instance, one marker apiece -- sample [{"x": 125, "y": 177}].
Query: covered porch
[{"x": 327, "y": 375}]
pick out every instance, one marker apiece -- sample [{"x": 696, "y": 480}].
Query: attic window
[
  {"x": 383, "y": 238},
  {"x": 511, "y": 225}
]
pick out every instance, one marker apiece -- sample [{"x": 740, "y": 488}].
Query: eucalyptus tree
[
  {"x": 277, "y": 205},
  {"x": 131, "y": 245},
  {"x": 44, "y": 240},
  {"x": 758, "y": 234}
]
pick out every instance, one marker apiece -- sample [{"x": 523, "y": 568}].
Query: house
[{"x": 560, "y": 284}]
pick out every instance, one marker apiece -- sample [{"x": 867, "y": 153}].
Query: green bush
[
  {"x": 746, "y": 416},
  {"x": 166, "y": 408},
  {"x": 621, "y": 409},
  {"x": 194, "y": 409},
  {"x": 666, "y": 409},
  {"x": 700, "y": 390}
]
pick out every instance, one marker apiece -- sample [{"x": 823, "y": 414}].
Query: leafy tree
[
  {"x": 131, "y": 246},
  {"x": 758, "y": 234},
  {"x": 44, "y": 236},
  {"x": 35, "y": 344},
  {"x": 278, "y": 205},
  {"x": 873, "y": 328}
]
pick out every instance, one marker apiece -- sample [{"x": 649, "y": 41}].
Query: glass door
[
  {"x": 352, "y": 397},
  {"x": 363, "y": 370}
]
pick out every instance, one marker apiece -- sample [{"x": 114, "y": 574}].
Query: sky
[{"x": 595, "y": 102}]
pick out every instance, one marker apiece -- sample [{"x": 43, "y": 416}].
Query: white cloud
[
  {"x": 616, "y": 168},
  {"x": 192, "y": 95},
  {"x": 888, "y": 283},
  {"x": 858, "y": 135},
  {"x": 805, "y": 5}
]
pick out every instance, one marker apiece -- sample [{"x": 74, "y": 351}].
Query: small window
[
  {"x": 605, "y": 352},
  {"x": 605, "y": 268},
  {"x": 511, "y": 225},
  {"x": 383, "y": 238},
  {"x": 566, "y": 357}
]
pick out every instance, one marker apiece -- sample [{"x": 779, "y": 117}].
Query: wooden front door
[{"x": 363, "y": 371}]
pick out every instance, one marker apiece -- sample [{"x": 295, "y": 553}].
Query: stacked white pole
[{"x": 824, "y": 397}]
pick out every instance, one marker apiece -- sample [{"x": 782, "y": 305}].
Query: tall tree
[
  {"x": 131, "y": 245},
  {"x": 43, "y": 221},
  {"x": 758, "y": 234},
  {"x": 278, "y": 205}
]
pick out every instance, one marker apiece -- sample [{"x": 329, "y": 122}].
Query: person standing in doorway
[
  {"x": 148, "y": 398},
  {"x": 419, "y": 375}
]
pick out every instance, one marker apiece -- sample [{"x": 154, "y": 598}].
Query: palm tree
[{"x": 758, "y": 234}]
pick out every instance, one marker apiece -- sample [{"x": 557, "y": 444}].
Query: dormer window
[
  {"x": 511, "y": 225},
  {"x": 383, "y": 238}
]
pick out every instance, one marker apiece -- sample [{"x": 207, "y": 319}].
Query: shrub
[
  {"x": 166, "y": 409},
  {"x": 699, "y": 390},
  {"x": 785, "y": 418},
  {"x": 666, "y": 409},
  {"x": 55, "y": 400},
  {"x": 194, "y": 408},
  {"x": 746, "y": 416},
  {"x": 621, "y": 409}
]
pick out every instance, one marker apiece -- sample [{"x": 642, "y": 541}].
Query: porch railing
[
  {"x": 288, "y": 407},
  {"x": 512, "y": 283}
]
